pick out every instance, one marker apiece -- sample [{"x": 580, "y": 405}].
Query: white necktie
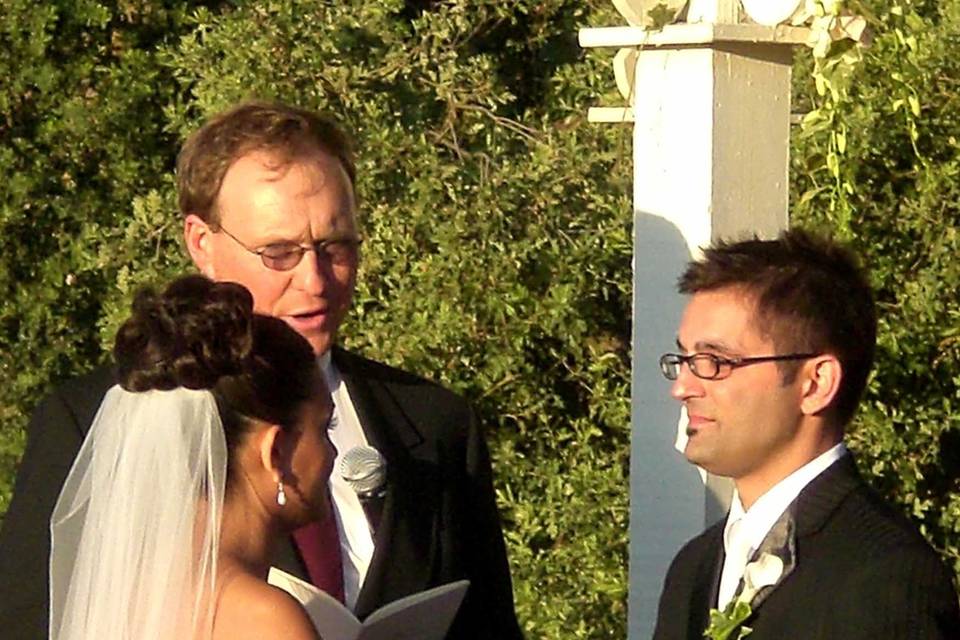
[{"x": 737, "y": 553}]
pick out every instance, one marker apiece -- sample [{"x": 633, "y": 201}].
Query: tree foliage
[
  {"x": 497, "y": 224},
  {"x": 81, "y": 135}
]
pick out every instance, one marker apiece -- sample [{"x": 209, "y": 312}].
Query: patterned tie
[{"x": 319, "y": 545}]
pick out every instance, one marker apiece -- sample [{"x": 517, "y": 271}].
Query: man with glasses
[
  {"x": 773, "y": 353},
  {"x": 267, "y": 196}
]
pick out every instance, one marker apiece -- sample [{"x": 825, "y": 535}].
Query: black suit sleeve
[
  {"x": 54, "y": 437},
  {"x": 488, "y": 610}
]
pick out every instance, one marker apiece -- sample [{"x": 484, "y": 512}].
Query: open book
[{"x": 422, "y": 616}]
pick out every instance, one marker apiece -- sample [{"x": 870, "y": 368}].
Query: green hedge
[
  {"x": 497, "y": 220},
  {"x": 498, "y": 224}
]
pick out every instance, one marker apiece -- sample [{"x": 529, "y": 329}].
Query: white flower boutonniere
[{"x": 765, "y": 571}]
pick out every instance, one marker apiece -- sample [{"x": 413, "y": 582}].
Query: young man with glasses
[
  {"x": 267, "y": 196},
  {"x": 774, "y": 349}
]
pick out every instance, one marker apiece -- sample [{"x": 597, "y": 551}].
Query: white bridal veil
[{"x": 137, "y": 525}]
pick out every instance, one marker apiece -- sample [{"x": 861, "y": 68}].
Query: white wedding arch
[{"x": 707, "y": 87}]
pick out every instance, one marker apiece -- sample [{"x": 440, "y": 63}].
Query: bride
[{"x": 212, "y": 447}]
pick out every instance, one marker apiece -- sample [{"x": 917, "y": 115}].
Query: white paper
[{"x": 422, "y": 616}]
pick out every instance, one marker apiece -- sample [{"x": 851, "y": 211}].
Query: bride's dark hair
[{"x": 201, "y": 334}]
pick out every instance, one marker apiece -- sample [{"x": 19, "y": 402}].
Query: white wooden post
[{"x": 711, "y": 113}]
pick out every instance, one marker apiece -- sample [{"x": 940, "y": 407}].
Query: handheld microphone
[{"x": 364, "y": 470}]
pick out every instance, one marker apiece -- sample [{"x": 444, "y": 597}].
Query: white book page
[
  {"x": 422, "y": 616},
  {"x": 332, "y": 620}
]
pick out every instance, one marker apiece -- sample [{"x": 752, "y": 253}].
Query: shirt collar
[{"x": 758, "y": 520}]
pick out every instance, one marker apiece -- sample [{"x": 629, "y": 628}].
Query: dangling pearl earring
[{"x": 281, "y": 496}]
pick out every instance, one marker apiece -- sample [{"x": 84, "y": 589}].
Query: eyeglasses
[
  {"x": 283, "y": 256},
  {"x": 713, "y": 367}
]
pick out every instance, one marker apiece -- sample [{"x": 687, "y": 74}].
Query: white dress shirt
[
  {"x": 745, "y": 530},
  {"x": 356, "y": 539}
]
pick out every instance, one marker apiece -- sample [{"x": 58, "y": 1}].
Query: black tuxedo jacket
[
  {"x": 439, "y": 520},
  {"x": 863, "y": 572}
]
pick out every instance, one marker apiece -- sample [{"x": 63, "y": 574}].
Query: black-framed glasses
[
  {"x": 710, "y": 366},
  {"x": 283, "y": 256}
]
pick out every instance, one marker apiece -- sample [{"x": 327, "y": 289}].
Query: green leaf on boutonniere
[{"x": 724, "y": 624}]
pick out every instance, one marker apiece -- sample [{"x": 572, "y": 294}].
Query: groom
[
  {"x": 267, "y": 197},
  {"x": 775, "y": 347}
]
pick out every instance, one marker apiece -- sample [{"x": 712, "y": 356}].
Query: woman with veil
[{"x": 212, "y": 447}]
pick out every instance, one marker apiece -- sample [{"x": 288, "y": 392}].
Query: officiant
[
  {"x": 266, "y": 192},
  {"x": 774, "y": 350}
]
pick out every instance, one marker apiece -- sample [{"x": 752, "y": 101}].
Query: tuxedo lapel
[
  {"x": 780, "y": 541},
  {"x": 805, "y": 517},
  {"x": 819, "y": 499},
  {"x": 403, "y": 540},
  {"x": 381, "y": 418}
]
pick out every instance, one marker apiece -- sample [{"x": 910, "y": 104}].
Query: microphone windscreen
[{"x": 365, "y": 470}]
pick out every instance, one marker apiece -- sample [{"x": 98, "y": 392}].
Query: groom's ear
[{"x": 821, "y": 383}]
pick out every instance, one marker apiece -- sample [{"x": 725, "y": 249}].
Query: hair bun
[{"x": 191, "y": 335}]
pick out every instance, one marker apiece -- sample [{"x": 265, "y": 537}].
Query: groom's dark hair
[{"x": 811, "y": 296}]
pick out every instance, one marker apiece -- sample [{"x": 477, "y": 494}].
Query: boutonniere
[{"x": 765, "y": 571}]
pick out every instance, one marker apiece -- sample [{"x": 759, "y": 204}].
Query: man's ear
[
  {"x": 821, "y": 383},
  {"x": 199, "y": 238}
]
